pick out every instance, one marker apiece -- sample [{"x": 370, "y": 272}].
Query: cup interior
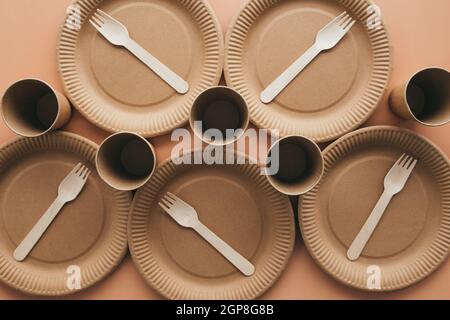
[
  {"x": 428, "y": 96},
  {"x": 300, "y": 165},
  {"x": 219, "y": 109},
  {"x": 126, "y": 161},
  {"x": 30, "y": 107}
]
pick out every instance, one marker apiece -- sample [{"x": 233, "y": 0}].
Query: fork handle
[
  {"x": 358, "y": 245},
  {"x": 37, "y": 231},
  {"x": 278, "y": 85},
  {"x": 164, "y": 72},
  {"x": 228, "y": 252}
]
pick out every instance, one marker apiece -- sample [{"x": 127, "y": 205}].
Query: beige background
[{"x": 419, "y": 35}]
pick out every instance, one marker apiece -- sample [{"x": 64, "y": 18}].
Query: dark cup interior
[
  {"x": 30, "y": 107},
  {"x": 428, "y": 96},
  {"x": 125, "y": 161},
  {"x": 300, "y": 165},
  {"x": 219, "y": 108}
]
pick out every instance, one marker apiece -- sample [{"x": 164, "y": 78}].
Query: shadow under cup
[
  {"x": 126, "y": 161},
  {"x": 300, "y": 165},
  {"x": 217, "y": 110},
  {"x": 32, "y": 108}
]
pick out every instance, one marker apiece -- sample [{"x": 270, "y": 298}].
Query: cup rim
[
  {"x": 50, "y": 128},
  {"x": 405, "y": 91},
  {"x": 106, "y": 180},
  {"x": 225, "y": 142},
  {"x": 319, "y": 176}
]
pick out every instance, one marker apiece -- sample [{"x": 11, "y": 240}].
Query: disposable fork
[
  {"x": 117, "y": 34},
  {"x": 186, "y": 216},
  {"x": 326, "y": 39},
  {"x": 394, "y": 182},
  {"x": 68, "y": 190}
]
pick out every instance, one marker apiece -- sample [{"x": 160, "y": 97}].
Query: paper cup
[
  {"x": 425, "y": 98},
  {"x": 215, "y": 112},
  {"x": 125, "y": 161},
  {"x": 300, "y": 166},
  {"x": 31, "y": 108}
]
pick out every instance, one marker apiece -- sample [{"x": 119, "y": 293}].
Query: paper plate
[
  {"x": 115, "y": 90},
  {"x": 88, "y": 238},
  {"x": 234, "y": 201},
  {"x": 413, "y": 236},
  {"x": 336, "y": 93}
]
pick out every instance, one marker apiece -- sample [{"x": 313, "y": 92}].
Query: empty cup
[
  {"x": 296, "y": 165},
  {"x": 125, "y": 161},
  {"x": 425, "y": 98},
  {"x": 31, "y": 108},
  {"x": 219, "y": 116}
]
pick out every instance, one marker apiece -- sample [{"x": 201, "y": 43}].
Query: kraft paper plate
[
  {"x": 116, "y": 91},
  {"x": 89, "y": 233},
  {"x": 413, "y": 237},
  {"x": 234, "y": 201},
  {"x": 336, "y": 93}
]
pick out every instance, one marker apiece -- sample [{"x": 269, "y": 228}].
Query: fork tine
[
  {"x": 97, "y": 20},
  {"x": 342, "y": 18},
  {"x": 100, "y": 16},
  {"x": 345, "y": 21},
  {"x": 82, "y": 171},
  {"x": 163, "y": 206},
  {"x": 176, "y": 199},
  {"x": 412, "y": 165},
  {"x": 348, "y": 27},
  {"x": 94, "y": 24},
  {"x": 103, "y": 14},
  {"x": 338, "y": 18},
  {"x": 172, "y": 196},
  {"x": 76, "y": 168},
  {"x": 409, "y": 162},
  {"x": 88, "y": 173},
  {"x": 406, "y": 160},
  {"x": 85, "y": 173},
  {"x": 169, "y": 199},
  {"x": 166, "y": 203},
  {"x": 399, "y": 161}
]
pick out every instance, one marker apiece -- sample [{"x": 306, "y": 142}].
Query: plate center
[
  {"x": 326, "y": 80},
  {"x": 354, "y": 193},
  {"x": 28, "y": 190},
  {"x": 123, "y": 76},
  {"x": 225, "y": 207}
]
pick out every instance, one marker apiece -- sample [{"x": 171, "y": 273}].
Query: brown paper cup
[
  {"x": 216, "y": 111},
  {"x": 425, "y": 98},
  {"x": 31, "y": 108},
  {"x": 125, "y": 161},
  {"x": 300, "y": 165}
]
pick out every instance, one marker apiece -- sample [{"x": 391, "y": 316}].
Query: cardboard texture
[
  {"x": 300, "y": 165},
  {"x": 425, "y": 98},
  {"x": 412, "y": 238},
  {"x": 31, "y": 108},
  {"x": 27, "y": 189},
  {"x": 335, "y": 94},
  {"x": 116, "y": 91},
  {"x": 125, "y": 161},
  {"x": 237, "y": 203},
  {"x": 219, "y": 108}
]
